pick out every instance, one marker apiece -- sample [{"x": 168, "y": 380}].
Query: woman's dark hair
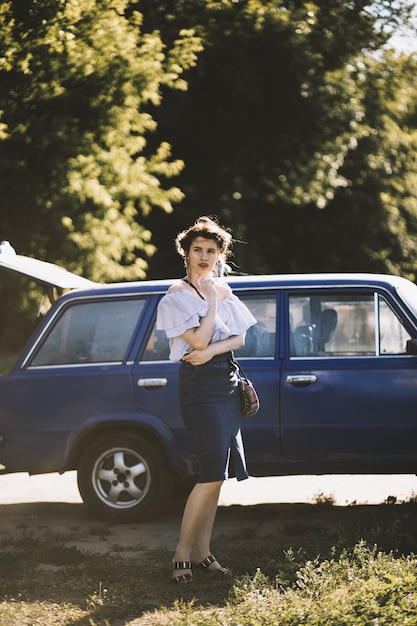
[{"x": 209, "y": 229}]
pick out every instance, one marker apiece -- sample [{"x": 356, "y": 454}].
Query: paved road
[{"x": 21, "y": 488}]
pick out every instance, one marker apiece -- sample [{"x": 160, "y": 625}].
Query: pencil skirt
[{"x": 210, "y": 408}]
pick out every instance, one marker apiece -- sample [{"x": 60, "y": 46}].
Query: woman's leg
[
  {"x": 201, "y": 546},
  {"x": 197, "y": 523}
]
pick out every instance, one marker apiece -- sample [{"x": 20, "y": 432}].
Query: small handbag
[{"x": 249, "y": 401}]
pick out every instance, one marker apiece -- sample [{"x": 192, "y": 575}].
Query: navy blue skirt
[{"x": 210, "y": 408}]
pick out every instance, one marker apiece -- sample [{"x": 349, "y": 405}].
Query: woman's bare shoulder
[{"x": 176, "y": 287}]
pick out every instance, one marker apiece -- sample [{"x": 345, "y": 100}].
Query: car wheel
[{"x": 123, "y": 478}]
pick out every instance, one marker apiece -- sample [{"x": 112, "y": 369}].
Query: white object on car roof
[{"x": 42, "y": 272}]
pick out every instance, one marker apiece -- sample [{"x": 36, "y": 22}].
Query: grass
[{"x": 361, "y": 570}]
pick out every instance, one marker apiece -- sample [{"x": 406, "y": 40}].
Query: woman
[{"x": 205, "y": 322}]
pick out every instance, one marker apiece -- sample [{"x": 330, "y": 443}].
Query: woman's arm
[
  {"x": 200, "y": 336},
  {"x": 199, "y": 357}
]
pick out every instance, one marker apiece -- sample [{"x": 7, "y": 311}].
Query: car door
[
  {"x": 155, "y": 381},
  {"x": 348, "y": 387},
  {"x": 74, "y": 376},
  {"x": 260, "y": 362}
]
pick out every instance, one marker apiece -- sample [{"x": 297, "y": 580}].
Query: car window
[
  {"x": 260, "y": 338},
  {"x": 91, "y": 332},
  {"x": 157, "y": 348},
  {"x": 393, "y": 336},
  {"x": 344, "y": 325}
]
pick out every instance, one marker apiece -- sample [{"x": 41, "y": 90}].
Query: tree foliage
[
  {"x": 78, "y": 80},
  {"x": 380, "y": 199},
  {"x": 272, "y": 121}
]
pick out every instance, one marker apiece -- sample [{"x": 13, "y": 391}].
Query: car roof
[{"x": 295, "y": 281}]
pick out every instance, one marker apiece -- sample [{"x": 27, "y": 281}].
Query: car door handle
[
  {"x": 152, "y": 382},
  {"x": 301, "y": 379}
]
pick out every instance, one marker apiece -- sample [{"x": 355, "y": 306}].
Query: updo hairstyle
[{"x": 209, "y": 229}]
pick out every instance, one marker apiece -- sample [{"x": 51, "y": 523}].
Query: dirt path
[
  {"x": 51, "y": 505},
  {"x": 74, "y": 524}
]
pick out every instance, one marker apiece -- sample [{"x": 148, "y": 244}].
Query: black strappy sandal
[
  {"x": 182, "y": 578},
  {"x": 214, "y": 571}
]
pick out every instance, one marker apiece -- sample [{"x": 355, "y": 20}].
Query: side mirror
[{"x": 412, "y": 346}]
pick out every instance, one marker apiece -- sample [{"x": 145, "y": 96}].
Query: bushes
[{"x": 364, "y": 586}]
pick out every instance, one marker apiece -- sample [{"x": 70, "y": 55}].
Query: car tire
[{"x": 124, "y": 478}]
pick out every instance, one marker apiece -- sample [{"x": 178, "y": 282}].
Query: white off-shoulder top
[{"x": 181, "y": 310}]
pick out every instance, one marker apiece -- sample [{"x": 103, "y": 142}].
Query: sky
[
  {"x": 406, "y": 38},
  {"x": 404, "y": 43}
]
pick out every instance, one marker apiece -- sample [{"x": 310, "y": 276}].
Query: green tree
[
  {"x": 376, "y": 213},
  {"x": 78, "y": 82},
  {"x": 272, "y": 113}
]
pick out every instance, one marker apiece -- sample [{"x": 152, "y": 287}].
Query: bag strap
[{"x": 238, "y": 365}]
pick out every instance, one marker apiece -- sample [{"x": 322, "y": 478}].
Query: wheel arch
[{"x": 158, "y": 435}]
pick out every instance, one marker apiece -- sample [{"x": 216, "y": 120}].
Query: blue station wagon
[{"x": 333, "y": 358}]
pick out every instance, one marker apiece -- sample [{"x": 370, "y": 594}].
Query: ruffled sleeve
[
  {"x": 235, "y": 315},
  {"x": 178, "y": 312}
]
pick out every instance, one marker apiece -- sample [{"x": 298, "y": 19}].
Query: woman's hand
[
  {"x": 207, "y": 288},
  {"x": 199, "y": 357}
]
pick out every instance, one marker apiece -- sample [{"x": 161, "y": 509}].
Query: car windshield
[{"x": 408, "y": 294}]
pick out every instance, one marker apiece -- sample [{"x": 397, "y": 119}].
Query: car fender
[{"x": 151, "y": 426}]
